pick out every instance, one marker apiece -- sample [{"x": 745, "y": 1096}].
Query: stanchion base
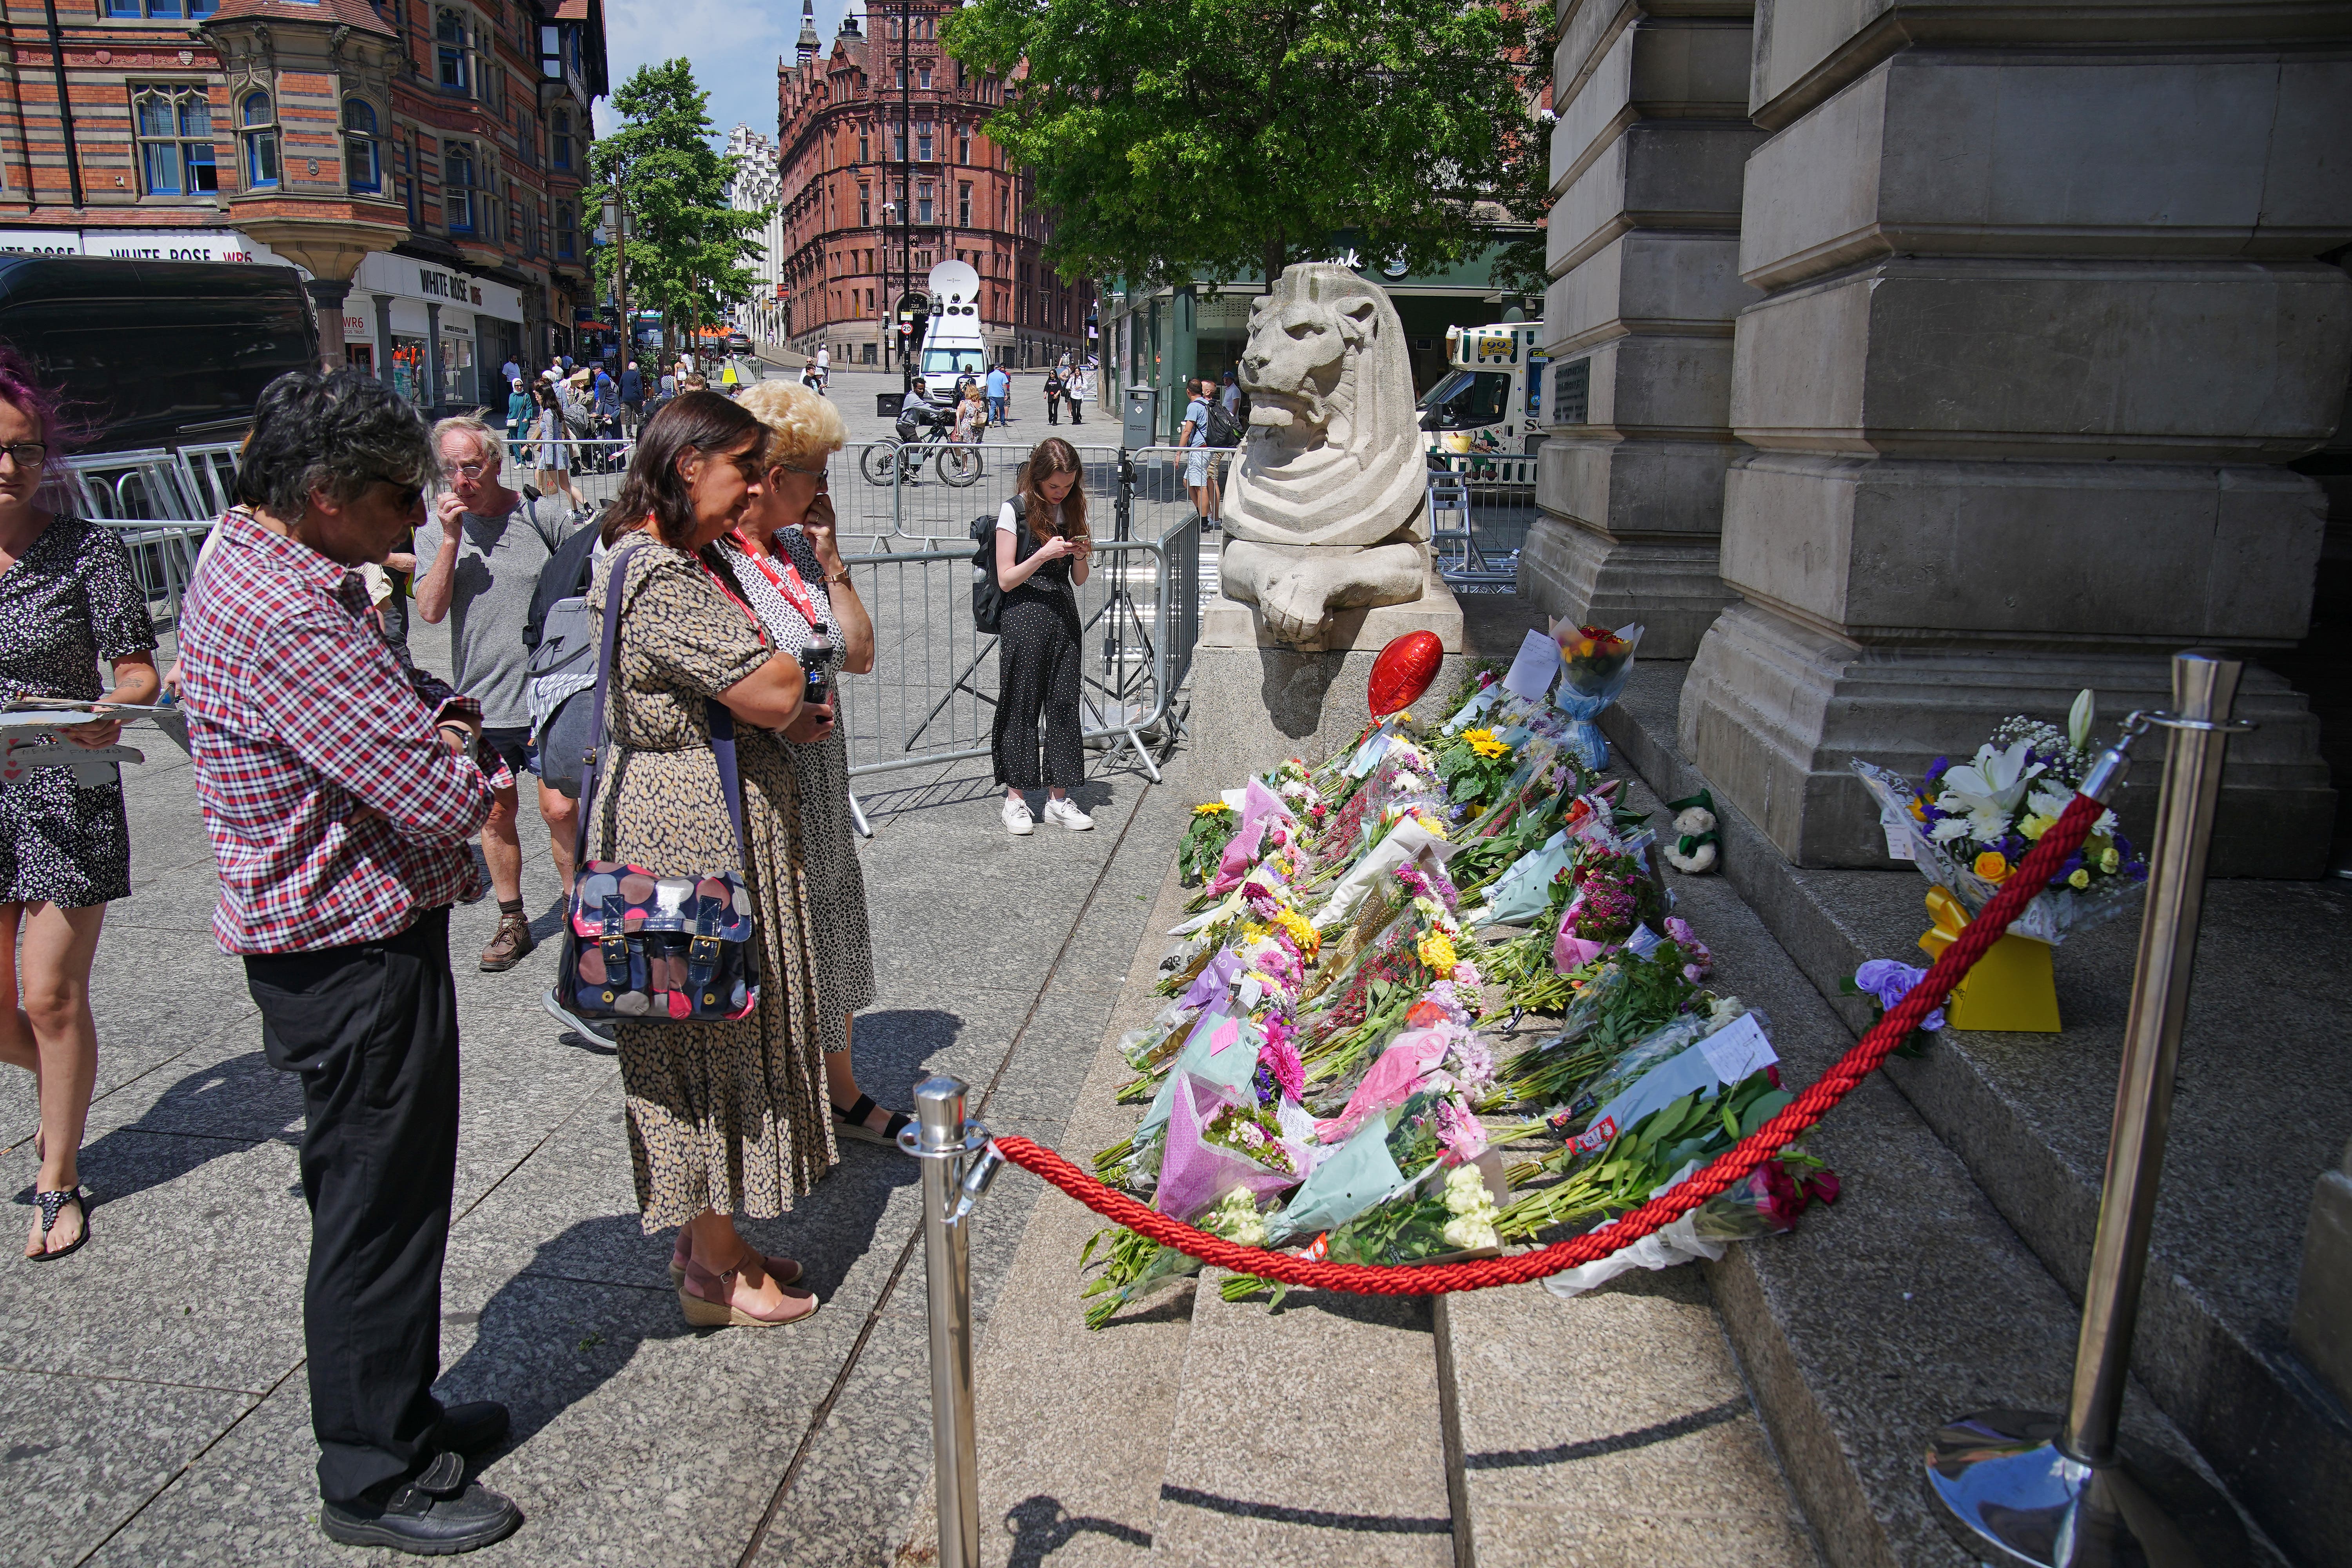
[{"x": 2005, "y": 1485}]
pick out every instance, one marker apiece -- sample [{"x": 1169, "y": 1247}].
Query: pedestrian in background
[
  {"x": 482, "y": 555},
  {"x": 68, "y": 600},
  {"x": 1200, "y": 480},
  {"x": 633, "y": 398},
  {"x": 824, "y": 366},
  {"x": 1075, "y": 388},
  {"x": 1042, "y": 555},
  {"x": 786, "y": 553},
  {"x": 722, "y": 1116},
  {"x": 971, "y": 415},
  {"x": 1055, "y": 387},
  {"x": 554, "y": 446},
  {"x": 520, "y": 407},
  {"x": 338, "y": 806},
  {"x": 608, "y": 406},
  {"x": 999, "y": 395}
]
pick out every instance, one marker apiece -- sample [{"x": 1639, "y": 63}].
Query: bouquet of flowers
[
  {"x": 1615, "y": 894},
  {"x": 1970, "y": 824},
  {"x": 1134, "y": 1265},
  {"x": 1204, "y": 841},
  {"x": 1616, "y": 1002},
  {"x": 1595, "y": 665},
  {"x": 1621, "y": 1174},
  {"x": 1766, "y": 1204},
  {"x": 1214, "y": 1146},
  {"x": 1475, "y": 768}
]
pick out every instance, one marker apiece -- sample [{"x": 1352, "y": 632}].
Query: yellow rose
[
  {"x": 2035, "y": 827},
  {"x": 1992, "y": 866},
  {"x": 2081, "y": 878},
  {"x": 2110, "y": 862}
]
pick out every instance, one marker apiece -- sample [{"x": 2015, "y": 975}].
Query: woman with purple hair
[{"x": 68, "y": 599}]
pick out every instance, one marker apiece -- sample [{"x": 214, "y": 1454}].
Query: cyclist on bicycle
[{"x": 917, "y": 412}]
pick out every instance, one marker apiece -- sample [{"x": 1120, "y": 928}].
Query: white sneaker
[
  {"x": 1016, "y": 816},
  {"x": 1066, "y": 813}
]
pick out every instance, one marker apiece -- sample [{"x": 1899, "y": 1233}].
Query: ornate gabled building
[
  {"x": 885, "y": 171},
  {"x": 422, "y": 161}
]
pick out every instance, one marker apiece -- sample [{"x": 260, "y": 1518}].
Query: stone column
[
  {"x": 327, "y": 297},
  {"x": 1643, "y": 243},
  {"x": 2041, "y": 328},
  {"x": 2322, "y": 1330},
  {"x": 383, "y": 337}
]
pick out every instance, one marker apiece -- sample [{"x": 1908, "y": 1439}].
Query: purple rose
[{"x": 1890, "y": 981}]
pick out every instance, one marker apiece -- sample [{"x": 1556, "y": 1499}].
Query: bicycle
[{"x": 956, "y": 464}]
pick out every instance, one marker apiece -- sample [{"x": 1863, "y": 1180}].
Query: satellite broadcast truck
[{"x": 1491, "y": 402}]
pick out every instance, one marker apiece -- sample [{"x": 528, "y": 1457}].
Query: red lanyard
[
  {"x": 720, "y": 583},
  {"x": 790, "y": 583}
]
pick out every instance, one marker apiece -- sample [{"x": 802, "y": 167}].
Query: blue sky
[{"x": 734, "y": 44}]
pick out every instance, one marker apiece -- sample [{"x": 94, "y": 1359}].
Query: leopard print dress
[{"x": 728, "y": 1116}]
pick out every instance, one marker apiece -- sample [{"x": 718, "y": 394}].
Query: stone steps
[{"x": 2018, "y": 1125}]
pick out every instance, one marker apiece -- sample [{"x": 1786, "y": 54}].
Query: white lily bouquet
[{"x": 1969, "y": 824}]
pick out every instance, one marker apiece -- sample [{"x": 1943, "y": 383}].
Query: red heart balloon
[{"x": 1403, "y": 671}]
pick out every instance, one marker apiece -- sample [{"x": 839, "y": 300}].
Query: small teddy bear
[{"x": 1693, "y": 850}]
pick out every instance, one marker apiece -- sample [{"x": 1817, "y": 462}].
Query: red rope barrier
[{"x": 1732, "y": 1166}]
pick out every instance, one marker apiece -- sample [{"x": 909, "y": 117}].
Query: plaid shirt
[{"x": 300, "y": 724}]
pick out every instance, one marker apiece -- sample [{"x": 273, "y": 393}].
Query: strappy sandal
[
  {"x": 705, "y": 1299},
  {"x": 50, "y": 1204},
  {"x": 851, "y": 1123},
  {"x": 783, "y": 1270}
]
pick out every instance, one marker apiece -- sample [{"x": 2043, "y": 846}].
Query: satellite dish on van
[{"x": 954, "y": 283}]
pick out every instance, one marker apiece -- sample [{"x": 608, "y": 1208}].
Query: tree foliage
[
  {"x": 687, "y": 248},
  {"x": 1219, "y": 137}
]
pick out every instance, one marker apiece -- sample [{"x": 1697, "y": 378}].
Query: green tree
[
  {"x": 687, "y": 248},
  {"x": 1220, "y": 137}
]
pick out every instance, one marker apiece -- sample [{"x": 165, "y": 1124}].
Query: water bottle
[{"x": 817, "y": 664}]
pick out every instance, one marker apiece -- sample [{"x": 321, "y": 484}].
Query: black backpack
[
  {"x": 1224, "y": 430},
  {"x": 987, "y": 598}
]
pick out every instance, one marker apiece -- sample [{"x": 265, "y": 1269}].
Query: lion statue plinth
[{"x": 1328, "y": 507}]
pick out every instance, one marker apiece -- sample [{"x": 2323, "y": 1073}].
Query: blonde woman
[
  {"x": 784, "y": 554},
  {"x": 971, "y": 416}
]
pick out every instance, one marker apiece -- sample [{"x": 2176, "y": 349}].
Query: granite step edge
[{"x": 2270, "y": 1432}]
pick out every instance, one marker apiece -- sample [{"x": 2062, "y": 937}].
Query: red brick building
[
  {"x": 421, "y": 160},
  {"x": 879, "y": 184}
]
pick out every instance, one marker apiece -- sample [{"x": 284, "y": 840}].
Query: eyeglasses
[
  {"x": 470, "y": 470},
  {"x": 26, "y": 454}
]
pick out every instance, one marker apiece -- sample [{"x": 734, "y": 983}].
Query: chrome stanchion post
[
  {"x": 941, "y": 1139},
  {"x": 2065, "y": 1493}
]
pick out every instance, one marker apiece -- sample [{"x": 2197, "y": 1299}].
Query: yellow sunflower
[
  {"x": 1486, "y": 744},
  {"x": 1209, "y": 808}
]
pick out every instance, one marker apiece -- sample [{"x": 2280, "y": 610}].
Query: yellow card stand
[{"x": 2011, "y": 986}]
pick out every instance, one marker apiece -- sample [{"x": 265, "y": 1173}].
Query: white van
[
  {"x": 1491, "y": 402},
  {"x": 952, "y": 343}
]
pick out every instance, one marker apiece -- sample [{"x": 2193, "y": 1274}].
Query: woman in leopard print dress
[{"x": 722, "y": 1116}]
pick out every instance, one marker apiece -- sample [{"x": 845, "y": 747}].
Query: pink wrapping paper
[{"x": 1410, "y": 1058}]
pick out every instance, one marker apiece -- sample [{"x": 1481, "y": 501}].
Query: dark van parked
[{"x": 156, "y": 353}]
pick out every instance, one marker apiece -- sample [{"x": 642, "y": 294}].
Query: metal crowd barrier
[
  {"x": 931, "y": 696},
  {"x": 163, "y": 556}
]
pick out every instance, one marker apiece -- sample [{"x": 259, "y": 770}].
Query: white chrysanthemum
[{"x": 1237, "y": 1219}]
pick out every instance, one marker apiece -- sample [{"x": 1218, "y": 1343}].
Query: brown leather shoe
[{"x": 509, "y": 947}]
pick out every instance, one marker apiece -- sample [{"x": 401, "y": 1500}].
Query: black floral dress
[{"x": 68, "y": 603}]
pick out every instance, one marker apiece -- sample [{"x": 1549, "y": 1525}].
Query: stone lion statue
[{"x": 1326, "y": 507}]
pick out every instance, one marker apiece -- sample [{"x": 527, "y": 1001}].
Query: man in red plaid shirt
[{"x": 338, "y": 805}]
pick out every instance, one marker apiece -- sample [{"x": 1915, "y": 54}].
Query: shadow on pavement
[{"x": 218, "y": 1109}]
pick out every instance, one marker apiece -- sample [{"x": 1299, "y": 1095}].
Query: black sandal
[
  {"x": 851, "y": 1123},
  {"x": 50, "y": 1204}
]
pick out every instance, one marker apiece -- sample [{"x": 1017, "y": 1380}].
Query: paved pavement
[{"x": 154, "y": 1400}]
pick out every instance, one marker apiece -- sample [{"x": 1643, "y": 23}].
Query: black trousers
[
  {"x": 1039, "y": 665},
  {"x": 371, "y": 1029}
]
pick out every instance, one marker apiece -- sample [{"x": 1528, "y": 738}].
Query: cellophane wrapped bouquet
[
  {"x": 1595, "y": 664},
  {"x": 1970, "y": 824}
]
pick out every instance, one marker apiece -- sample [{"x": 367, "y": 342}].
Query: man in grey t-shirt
[{"x": 502, "y": 541}]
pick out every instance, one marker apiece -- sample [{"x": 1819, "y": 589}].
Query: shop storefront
[{"x": 442, "y": 334}]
